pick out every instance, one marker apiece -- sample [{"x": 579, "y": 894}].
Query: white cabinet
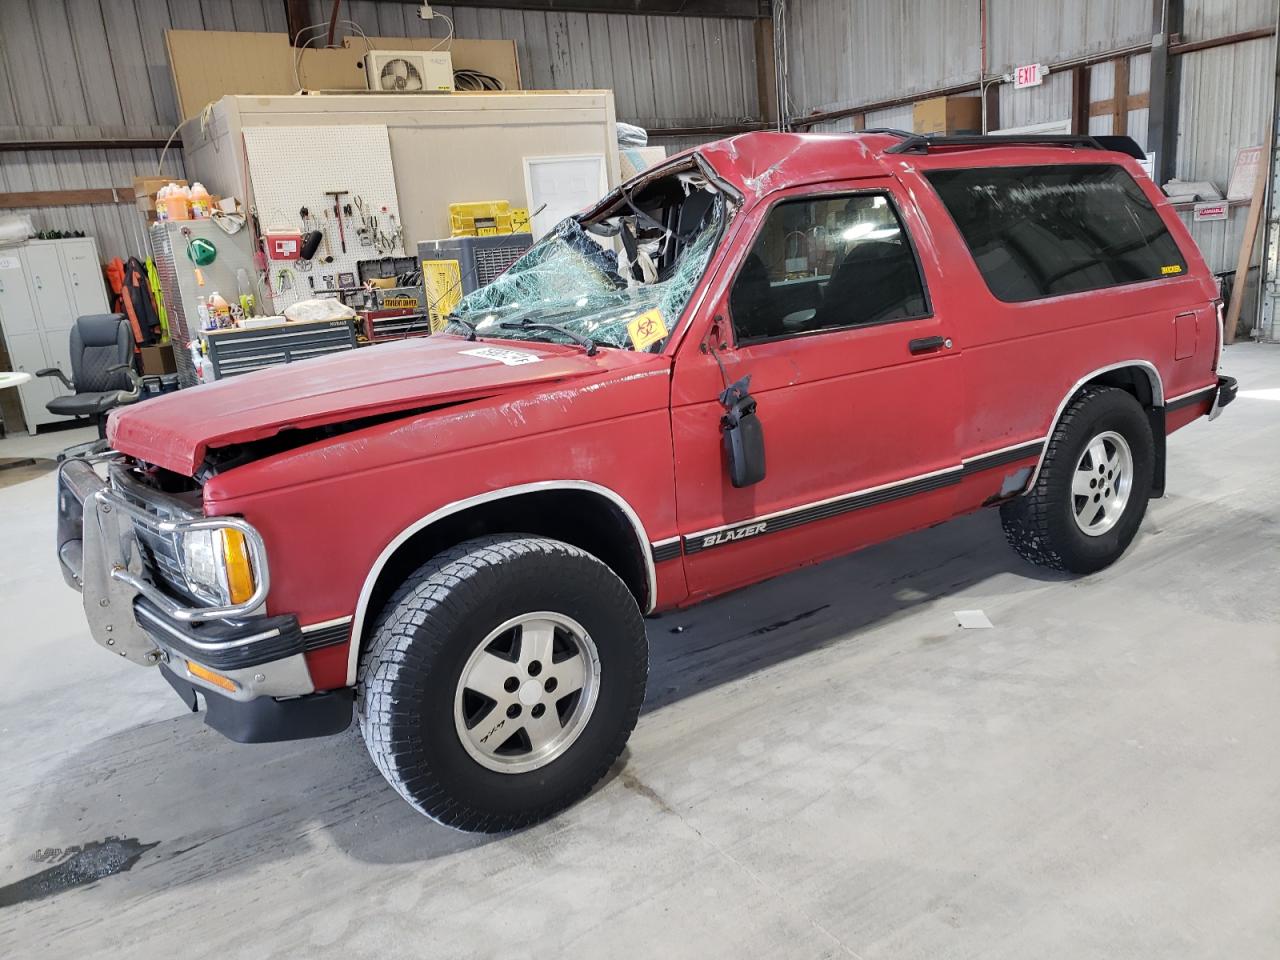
[
  {"x": 15, "y": 303},
  {"x": 83, "y": 275},
  {"x": 44, "y": 286}
]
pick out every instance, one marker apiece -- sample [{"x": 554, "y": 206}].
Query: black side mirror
[{"x": 743, "y": 435}]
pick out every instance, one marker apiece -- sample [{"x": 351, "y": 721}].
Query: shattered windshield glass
[{"x": 569, "y": 279}]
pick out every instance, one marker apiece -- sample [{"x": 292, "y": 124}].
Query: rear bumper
[
  {"x": 1223, "y": 395},
  {"x": 261, "y": 659}
]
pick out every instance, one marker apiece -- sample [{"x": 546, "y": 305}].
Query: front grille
[{"x": 159, "y": 551}]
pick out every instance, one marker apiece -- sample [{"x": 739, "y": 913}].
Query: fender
[
  {"x": 1157, "y": 400},
  {"x": 362, "y": 605}
]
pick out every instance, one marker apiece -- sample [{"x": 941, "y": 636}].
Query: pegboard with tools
[{"x": 336, "y": 180}]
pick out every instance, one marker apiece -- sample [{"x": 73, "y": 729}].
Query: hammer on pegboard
[{"x": 337, "y": 209}]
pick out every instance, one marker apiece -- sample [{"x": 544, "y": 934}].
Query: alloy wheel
[
  {"x": 527, "y": 692},
  {"x": 1101, "y": 483}
]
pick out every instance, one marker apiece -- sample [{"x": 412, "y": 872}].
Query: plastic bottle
[
  {"x": 200, "y": 201},
  {"x": 245, "y": 291},
  {"x": 206, "y": 316},
  {"x": 220, "y": 309},
  {"x": 178, "y": 202},
  {"x": 162, "y": 211},
  {"x": 197, "y": 360}
]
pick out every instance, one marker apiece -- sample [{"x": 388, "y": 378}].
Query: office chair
[{"x": 102, "y": 371}]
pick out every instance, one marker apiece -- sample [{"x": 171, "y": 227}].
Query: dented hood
[{"x": 175, "y": 430}]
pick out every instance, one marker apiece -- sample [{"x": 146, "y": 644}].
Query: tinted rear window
[{"x": 1048, "y": 230}]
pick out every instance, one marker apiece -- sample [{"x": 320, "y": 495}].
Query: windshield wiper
[
  {"x": 585, "y": 342},
  {"x": 466, "y": 324}
]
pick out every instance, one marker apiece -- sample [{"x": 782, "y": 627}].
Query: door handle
[{"x": 925, "y": 344}]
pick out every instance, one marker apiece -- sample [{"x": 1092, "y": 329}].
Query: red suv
[{"x": 765, "y": 352}]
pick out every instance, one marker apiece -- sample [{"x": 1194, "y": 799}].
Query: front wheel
[
  {"x": 502, "y": 682},
  {"x": 1092, "y": 491}
]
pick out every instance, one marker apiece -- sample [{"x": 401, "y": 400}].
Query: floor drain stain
[{"x": 91, "y": 863}]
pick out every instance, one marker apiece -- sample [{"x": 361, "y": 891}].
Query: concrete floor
[{"x": 827, "y": 767}]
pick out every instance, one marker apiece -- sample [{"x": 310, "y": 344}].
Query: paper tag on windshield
[
  {"x": 511, "y": 358},
  {"x": 646, "y": 329}
]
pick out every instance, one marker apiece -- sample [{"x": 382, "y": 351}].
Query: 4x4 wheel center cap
[{"x": 530, "y": 692}]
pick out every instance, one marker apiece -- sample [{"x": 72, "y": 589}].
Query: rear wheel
[
  {"x": 1092, "y": 491},
  {"x": 503, "y": 680}
]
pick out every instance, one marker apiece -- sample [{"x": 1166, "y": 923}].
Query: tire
[
  {"x": 459, "y": 756},
  {"x": 1043, "y": 525}
]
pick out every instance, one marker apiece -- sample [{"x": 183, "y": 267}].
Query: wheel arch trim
[
  {"x": 1157, "y": 398},
  {"x": 457, "y": 506}
]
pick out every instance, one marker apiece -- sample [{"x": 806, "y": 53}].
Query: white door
[
  {"x": 85, "y": 282},
  {"x": 47, "y": 285},
  {"x": 559, "y": 186}
]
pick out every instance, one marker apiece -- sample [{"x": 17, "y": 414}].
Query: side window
[
  {"x": 1044, "y": 231},
  {"x": 824, "y": 264}
]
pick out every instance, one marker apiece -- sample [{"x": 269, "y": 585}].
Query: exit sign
[{"x": 1028, "y": 75}]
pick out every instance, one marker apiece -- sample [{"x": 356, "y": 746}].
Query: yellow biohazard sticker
[
  {"x": 646, "y": 329},
  {"x": 1172, "y": 268}
]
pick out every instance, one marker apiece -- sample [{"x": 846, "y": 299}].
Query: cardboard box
[
  {"x": 636, "y": 160},
  {"x": 145, "y": 190},
  {"x": 949, "y": 116},
  {"x": 158, "y": 360},
  {"x": 150, "y": 186},
  {"x": 210, "y": 64}
]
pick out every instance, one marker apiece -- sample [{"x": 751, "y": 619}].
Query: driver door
[{"x": 857, "y": 384}]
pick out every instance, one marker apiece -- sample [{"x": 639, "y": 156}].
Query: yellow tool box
[{"x": 487, "y": 218}]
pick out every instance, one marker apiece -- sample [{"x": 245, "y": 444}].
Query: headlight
[{"x": 216, "y": 565}]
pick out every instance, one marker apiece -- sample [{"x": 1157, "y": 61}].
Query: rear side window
[{"x": 1049, "y": 230}]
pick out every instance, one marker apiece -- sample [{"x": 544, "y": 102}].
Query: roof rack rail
[
  {"x": 917, "y": 143},
  {"x": 891, "y": 131}
]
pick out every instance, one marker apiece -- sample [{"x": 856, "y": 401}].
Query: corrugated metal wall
[
  {"x": 1021, "y": 32},
  {"x": 1205, "y": 19},
  {"x": 844, "y": 52},
  {"x": 847, "y": 52},
  {"x": 1226, "y": 95},
  {"x": 77, "y": 69}
]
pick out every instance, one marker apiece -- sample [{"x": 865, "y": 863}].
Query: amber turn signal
[
  {"x": 235, "y": 553},
  {"x": 217, "y": 679}
]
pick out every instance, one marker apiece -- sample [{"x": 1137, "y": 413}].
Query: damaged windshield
[{"x": 621, "y": 280}]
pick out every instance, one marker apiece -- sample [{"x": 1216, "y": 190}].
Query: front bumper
[
  {"x": 263, "y": 657},
  {"x": 267, "y": 720}
]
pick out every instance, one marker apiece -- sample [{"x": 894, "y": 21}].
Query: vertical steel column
[
  {"x": 1268, "y": 325},
  {"x": 1166, "y": 82}
]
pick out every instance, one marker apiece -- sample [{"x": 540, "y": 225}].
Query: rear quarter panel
[{"x": 1023, "y": 359}]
